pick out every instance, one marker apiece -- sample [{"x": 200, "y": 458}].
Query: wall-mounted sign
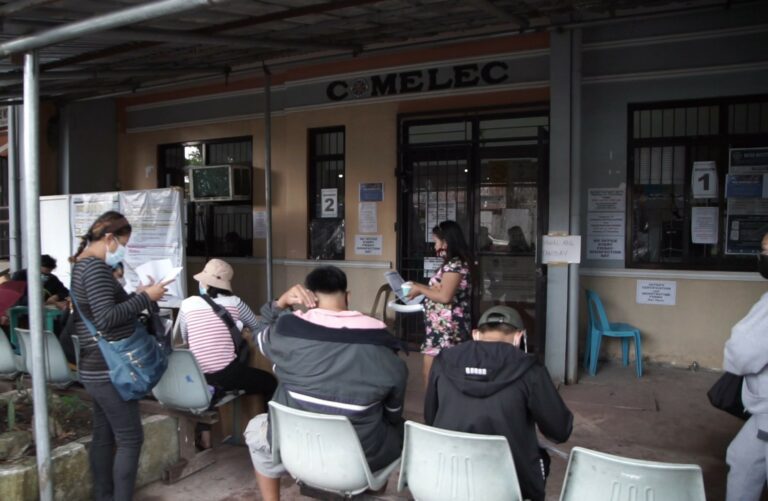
[
  {"x": 561, "y": 249},
  {"x": 601, "y": 248},
  {"x": 330, "y": 202},
  {"x": 704, "y": 180},
  {"x": 746, "y": 186},
  {"x": 660, "y": 292},
  {"x": 368, "y": 245},
  {"x": 371, "y": 192},
  {"x": 705, "y": 222},
  {"x": 606, "y": 199}
]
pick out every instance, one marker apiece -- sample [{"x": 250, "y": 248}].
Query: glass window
[{"x": 326, "y": 193}]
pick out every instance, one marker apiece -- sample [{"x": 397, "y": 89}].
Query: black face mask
[{"x": 762, "y": 265}]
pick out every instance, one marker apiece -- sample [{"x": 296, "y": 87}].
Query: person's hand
[
  {"x": 297, "y": 294},
  {"x": 155, "y": 291},
  {"x": 416, "y": 290},
  {"x": 142, "y": 287}
]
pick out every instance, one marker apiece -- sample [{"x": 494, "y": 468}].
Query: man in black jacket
[{"x": 491, "y": 387}]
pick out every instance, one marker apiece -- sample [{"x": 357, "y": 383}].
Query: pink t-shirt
[{"x": 340, "y": 319}]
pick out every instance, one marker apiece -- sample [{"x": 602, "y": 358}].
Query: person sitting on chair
[
  {"x": 491, "y": 387},
  {"x": 330, "y": 360},
  {"x": 55, "y": 293}
]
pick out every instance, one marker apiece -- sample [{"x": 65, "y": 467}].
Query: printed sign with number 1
[{"x": 704, "y": 180}]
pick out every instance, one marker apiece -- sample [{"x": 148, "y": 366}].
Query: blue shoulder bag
[{"x": 135, "y": 363}]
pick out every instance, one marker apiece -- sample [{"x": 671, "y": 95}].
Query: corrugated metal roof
[{"x": 243, "y": 33}]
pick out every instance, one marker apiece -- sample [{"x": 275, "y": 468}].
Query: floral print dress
[{"x": 448, "y": 324}]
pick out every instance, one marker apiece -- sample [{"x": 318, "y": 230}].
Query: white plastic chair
[
  {"x": 323, "y": 452},
  {"x": 57, "y": 371},
  {"x": 599, "y": 476},
  {"x": 442, "y": 465},
  {"x": 183, "y": 384},
  {"x": 8, "y": 368}
]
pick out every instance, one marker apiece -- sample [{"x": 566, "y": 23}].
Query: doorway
[{"x": 489, "y": 174}]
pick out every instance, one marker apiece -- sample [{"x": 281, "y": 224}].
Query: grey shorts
[{"x": 260, "y": 449}]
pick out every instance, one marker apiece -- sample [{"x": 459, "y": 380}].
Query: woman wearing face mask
[
  {"x": 447, "y": 303},
  {"x": 117, "y": 432},
  {"x": 746, "y": 354}
]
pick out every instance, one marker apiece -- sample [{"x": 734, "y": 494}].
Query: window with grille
[
  {"x": 223, "y": 229},
  {"x": 680, "y": 156},
  {"x": 326, "y": 193}
]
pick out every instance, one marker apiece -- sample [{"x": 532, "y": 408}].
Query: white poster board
[
  {"x": 561, "y": 249},
  {"x": 55, "y": 234}
]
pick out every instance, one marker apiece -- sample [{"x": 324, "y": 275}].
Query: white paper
[
  {"x": 367, "y": 217},
  {"x": 704, "y": 180},
  {"x": 599, "y": 248},
  {"x": 658, "y": 292},
  {"x": 153, "y": 270},
  {"x": 605, "y": 224},
  {"x": 704, "y": 225},
  {"x": 441, "y": 207},
  {"x": 329, "y": 202},
  {"x": 606, "y": 199},
  {"x": 561, "y": 249},
  {"x": 259, "y": 224},
  {"x": 368, "y": 245}
]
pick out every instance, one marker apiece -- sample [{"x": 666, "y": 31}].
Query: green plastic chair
[
  {"x": 598, "y": 476},
  {"x": 599, "y": 326}
]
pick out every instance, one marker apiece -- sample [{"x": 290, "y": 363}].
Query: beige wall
[{"x": 695, "y": 329}]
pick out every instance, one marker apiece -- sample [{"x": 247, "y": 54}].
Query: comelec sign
[{"x": 412, "y": 81}]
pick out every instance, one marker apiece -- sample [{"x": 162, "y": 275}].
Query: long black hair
[{"x": 450, "y": 232}]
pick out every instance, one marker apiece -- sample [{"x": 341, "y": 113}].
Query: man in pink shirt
[{"x": 330, "y": 360}]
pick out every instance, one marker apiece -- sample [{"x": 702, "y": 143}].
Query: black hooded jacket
[{"x": 495, "y": 389}]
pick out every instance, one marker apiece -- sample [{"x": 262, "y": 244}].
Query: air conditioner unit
[{"x": 220, "y": 183}]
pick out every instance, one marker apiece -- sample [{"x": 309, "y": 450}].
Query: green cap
[{"x": 502, "y": 315}]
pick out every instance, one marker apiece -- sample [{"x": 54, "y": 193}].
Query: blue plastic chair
[{"x": 598, "y": 326}]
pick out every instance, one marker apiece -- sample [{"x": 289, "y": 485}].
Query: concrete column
[{"x": 563, "y": 78}]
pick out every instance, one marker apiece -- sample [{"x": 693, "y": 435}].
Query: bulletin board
[{"x": 156, "y": 217}]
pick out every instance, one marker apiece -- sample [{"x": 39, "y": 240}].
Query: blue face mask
[
  {"x": 115, "y": 258},
  {"x": 202, "y": 290}
]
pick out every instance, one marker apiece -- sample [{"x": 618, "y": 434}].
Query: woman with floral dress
[{"x": 447, "y": 301}]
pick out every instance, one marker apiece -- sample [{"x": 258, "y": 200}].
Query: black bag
[
  {"x": 241, "y": 345},
  {"x": 725, "y": 394}
]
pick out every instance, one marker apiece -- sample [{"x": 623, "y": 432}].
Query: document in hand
[
  {"x": 396, "y": 283},
  {"x": 161, "y": 270}
]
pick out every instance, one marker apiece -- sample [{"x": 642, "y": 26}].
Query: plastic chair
[
  {"x": 323, "y": 452},
  {"x": 385, "y": 290},
  {"x": 57, "y": 371},
  {"x": 596, "y": 475},
  {"x": 441, "y": 465},
  {"x": 8, "y": 368},
  {"x": 598, "y": 326},
  {"x": 183, "y": 384}
]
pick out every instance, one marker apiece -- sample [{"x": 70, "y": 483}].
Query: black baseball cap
[{"x": 501, "y": 314}]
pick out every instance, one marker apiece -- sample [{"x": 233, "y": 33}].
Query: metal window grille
[{"x": 326, "y": 174}]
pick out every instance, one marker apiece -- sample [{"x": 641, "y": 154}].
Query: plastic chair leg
[
  {"x": 625, "y": 351},
  {"x": 596, "y": 338},
  {"x": 587, "y": 349},
  {"x": 638, "y": 355}
]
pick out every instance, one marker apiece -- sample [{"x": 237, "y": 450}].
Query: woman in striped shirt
[
  {"x": 209, "y": 338},
  {"x": 117, "y": 432}
]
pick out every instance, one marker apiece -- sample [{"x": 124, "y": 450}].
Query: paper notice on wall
[
  {"x": 561, "y": 249},
  {"x": 605, "y": 224},
  {"x": 259, "y": 224},
  {"x": 84, "y": 209},
  {"x": 600, "y": 248},
  {"x": 606, "y": 199},
  {"x": 368, "y": 245},
  {"x": 367, "y": 217},
  {"x": 431, "y": 265},
  {"x": 658, "y": 292},
  {"x": 329, "y": 202},
  {"x": 441, "y": 206},
  {"x": 704, "y": 180},
  {"x": 704, "y": 224}
]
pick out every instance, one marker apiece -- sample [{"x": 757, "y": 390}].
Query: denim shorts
[{"x": 260, "y": 449}]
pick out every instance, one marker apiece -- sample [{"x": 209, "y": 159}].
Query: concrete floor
[{"x": 664, "y": 416}]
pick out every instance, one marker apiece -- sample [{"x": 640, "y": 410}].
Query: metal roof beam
[
  {"x": 96, "y": 24},
  {"x": 496, "y": 11},
  {"x": 20, "y": 5}
]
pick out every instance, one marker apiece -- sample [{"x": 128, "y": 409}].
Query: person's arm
[
  {"x": 182, "y": 325},
  {"x": 99, "y": 288},
  {"x": 56, "y": 288},
  {"x": 393, "y": 404},
  {"x": 546, "y": 405},
  {"x": 247, "y": 316},
  {"x": 746, "y": 351},
  {"x": 430, "y": 399},
  {"x": 270, "y": 312},
  {"x": 443, "y": 294}
]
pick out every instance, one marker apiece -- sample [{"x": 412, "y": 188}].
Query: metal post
[
  {"x": 34, "y": 284},
  {"x": 14, "y": 205},
  {"x": 572, "y": 349},
  {"x": 268, "y": 173}
]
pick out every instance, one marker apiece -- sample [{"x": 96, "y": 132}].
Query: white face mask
[
  {"x": 201, "y": 288},
  {"x": 116, "y": 257}
]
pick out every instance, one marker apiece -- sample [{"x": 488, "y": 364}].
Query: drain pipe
[
  {"x": 14, "y": 204},
  {"x": 34, "y": 284},
  {"x": 268, "y": 173},
  {"x": 572, "y": 345}
]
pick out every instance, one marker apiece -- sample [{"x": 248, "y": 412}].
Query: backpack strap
[{"x": 237, "y": 336}]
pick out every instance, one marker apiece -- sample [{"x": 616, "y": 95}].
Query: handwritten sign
[{"x": 561, "y": 249}]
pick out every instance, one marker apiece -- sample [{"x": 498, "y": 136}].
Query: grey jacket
[
  {"x": 746, "y": 354},
  {"x": 350, "y": 372}
]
